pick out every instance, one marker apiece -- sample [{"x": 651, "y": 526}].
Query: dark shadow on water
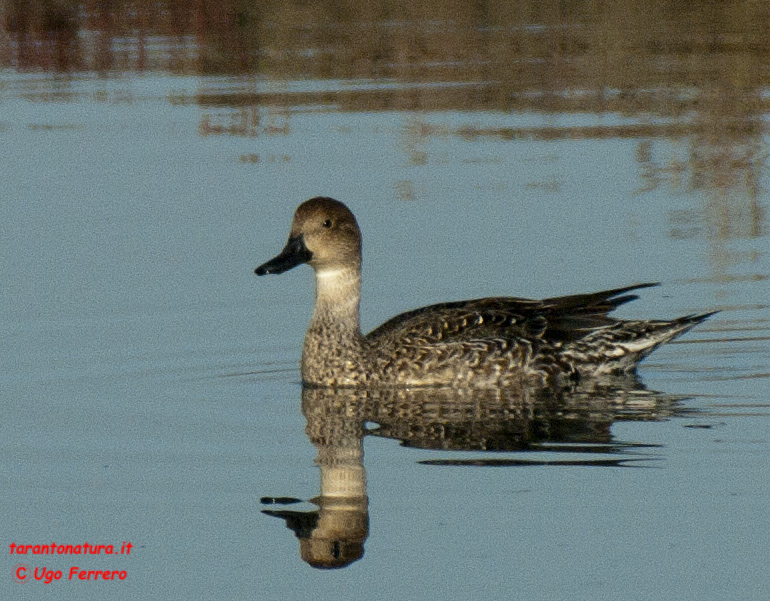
[
  {"x": 487, "y": 421},
  {"x": 530, "y": 463}
]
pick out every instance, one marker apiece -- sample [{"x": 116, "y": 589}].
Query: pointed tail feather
[
  {"x": 622, "y": 346},
  {"x": 687, "y": 322}
]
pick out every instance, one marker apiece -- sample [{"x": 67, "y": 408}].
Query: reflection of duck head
[
  {"x": 512, "y": 419},
  {"x": 332, "y": 536},
  {"x": 339, "y": 535}
]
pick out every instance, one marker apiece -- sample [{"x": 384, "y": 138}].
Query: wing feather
[{"x": 557, "y": 319}]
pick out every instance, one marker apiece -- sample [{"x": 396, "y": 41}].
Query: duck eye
[{"x": 327, "y": 223}]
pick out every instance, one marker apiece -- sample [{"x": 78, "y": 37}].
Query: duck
[{"x": 494, "y": 341}]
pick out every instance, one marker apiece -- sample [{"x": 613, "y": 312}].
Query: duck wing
[
  {"x": 557, "y": 319},
  {"x": 573, "y": 317}
]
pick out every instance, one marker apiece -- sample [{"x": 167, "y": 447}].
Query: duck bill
[{"x": 294, "y": 253}]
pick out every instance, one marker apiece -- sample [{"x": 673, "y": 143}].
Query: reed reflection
[
  {"x": 483, "y": 420},
  {"x": 663, "y": 71},
  {"x": 702, "y": 73}
]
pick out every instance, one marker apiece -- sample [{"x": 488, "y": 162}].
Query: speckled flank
[{"x": 483, "y": 342}]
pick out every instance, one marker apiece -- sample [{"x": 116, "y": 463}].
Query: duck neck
[
  {"x": 337, "y": 297},
  {"x": 333, "y": 341}
]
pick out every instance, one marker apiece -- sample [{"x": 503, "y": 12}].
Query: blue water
[{"x": 149, "y": 380}]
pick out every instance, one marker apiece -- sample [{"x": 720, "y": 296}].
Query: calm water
[{"x": 151, "y": 156}]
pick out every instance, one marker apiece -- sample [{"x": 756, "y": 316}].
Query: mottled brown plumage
[{"x": 482, "y": 342}]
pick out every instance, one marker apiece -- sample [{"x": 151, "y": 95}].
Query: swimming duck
[{"x": 481, "y": 342}]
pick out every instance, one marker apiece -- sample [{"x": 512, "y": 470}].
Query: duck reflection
[
  {"x": 487, "y": 420},
  {"x": 333, "y": 535}
]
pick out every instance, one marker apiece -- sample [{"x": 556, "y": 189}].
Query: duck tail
[{"x": 621, "y": 346}]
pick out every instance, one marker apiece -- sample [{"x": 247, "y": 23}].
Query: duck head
[{"x": 324, "y": 234}]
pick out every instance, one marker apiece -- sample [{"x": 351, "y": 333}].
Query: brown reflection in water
[
  {"x": 493, "y": 420},
  {"x": 689, "y": 73},
  {"x": 723, "y": 158},
  {"x": 654, "y": 59},
  {"x": 623, "y": 56}
]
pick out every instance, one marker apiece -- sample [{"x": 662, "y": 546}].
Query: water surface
[{"x": 152, "y": 156}]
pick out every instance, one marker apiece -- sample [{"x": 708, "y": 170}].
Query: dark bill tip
[{"x": 294, "y": 253}]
